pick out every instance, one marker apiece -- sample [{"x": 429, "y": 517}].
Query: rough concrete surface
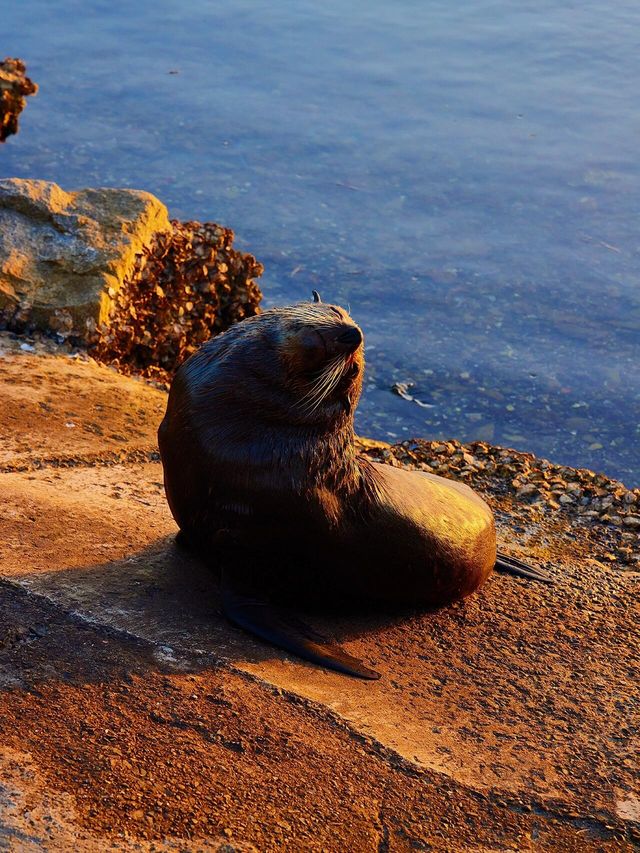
[
  {"x": 133, "y": 716},
  {"x": 57, "y": 409}
]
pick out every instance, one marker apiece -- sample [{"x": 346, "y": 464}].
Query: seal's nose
[{"x": 352, "y": 337}]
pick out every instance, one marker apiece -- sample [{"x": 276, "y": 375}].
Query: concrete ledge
[
  {"x": 141, "y": 716},
  {"x": 60, "y": 408}
]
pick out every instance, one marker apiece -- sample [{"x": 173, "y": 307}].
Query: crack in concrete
[
  {"x": 383, "y": 842},
  {"x": 106, "y": 459},
  {"x": 599, "y": 826}
]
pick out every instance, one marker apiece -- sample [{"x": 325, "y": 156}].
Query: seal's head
[
  {"x": 322, "y": 355},
  {"x": 301, "y": 364}
]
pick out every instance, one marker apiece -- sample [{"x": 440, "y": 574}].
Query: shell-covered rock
[
  {"x": 189, "y": 285},
  {"x": 15, "y": 86}
]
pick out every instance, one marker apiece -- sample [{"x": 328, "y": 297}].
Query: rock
[
  {"x": 189, "y": 285},
  {"x": 15, "y": 86},
  {"x": 65, "y": 255},
  {"x": 402, "y": 390},
  {"x": 527, "y": 491},
  {"x": 105, "y": 267}
]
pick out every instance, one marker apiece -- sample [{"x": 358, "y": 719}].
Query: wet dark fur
[{"x": 253, "y": 471}]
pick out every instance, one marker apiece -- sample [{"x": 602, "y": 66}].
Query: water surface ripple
[{"x": 465, "y": 176}]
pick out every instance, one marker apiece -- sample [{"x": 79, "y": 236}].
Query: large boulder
[
  {"x": 106, "y": 268},
  {"x": 65, "y": 255}
]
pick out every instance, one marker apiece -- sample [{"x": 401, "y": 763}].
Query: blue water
[{"x": 464, "y": 175}]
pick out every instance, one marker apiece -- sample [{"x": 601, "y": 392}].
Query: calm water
[{"x": 464, "y": 175}]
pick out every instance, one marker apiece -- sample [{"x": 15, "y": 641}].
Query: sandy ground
[{"x": 133, "y": 717}]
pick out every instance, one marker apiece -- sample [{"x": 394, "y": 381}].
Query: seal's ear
[{"x": 316, "y": 296}]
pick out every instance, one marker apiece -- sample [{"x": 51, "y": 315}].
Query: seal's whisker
[
  {"x": 314, "y": 389},
  {"x": 318, "y": 389},
  {"x": 334, "y": 369},
  {"x": 321, "y": 381},
  {"x": 334, "y": 373},
  {"x": 316, "y": 399}
]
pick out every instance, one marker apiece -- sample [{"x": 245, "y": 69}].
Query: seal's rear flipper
[
  {"x": 517, "y": 567},
  {"x": 288, "y": 633}
]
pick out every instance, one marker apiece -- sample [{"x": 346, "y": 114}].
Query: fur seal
[{"x": 262, "y": 475}]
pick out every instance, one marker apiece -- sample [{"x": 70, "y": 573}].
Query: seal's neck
[
  {"x": 308, "y": 458},
  {"x": 331, "y": 461}
]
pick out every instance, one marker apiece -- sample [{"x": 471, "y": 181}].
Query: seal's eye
[
  {"x": 308, "y": 350},
  {"x": 335, "y": 311}
]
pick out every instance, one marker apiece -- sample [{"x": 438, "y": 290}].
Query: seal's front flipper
[
  {"x": 517, "y": 567},
  {"x": 288, "y": 633}
]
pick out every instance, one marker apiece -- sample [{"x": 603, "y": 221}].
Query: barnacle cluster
[
  {"x": 189, "y": 285},
  {"x": 14, "y": 88}
]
